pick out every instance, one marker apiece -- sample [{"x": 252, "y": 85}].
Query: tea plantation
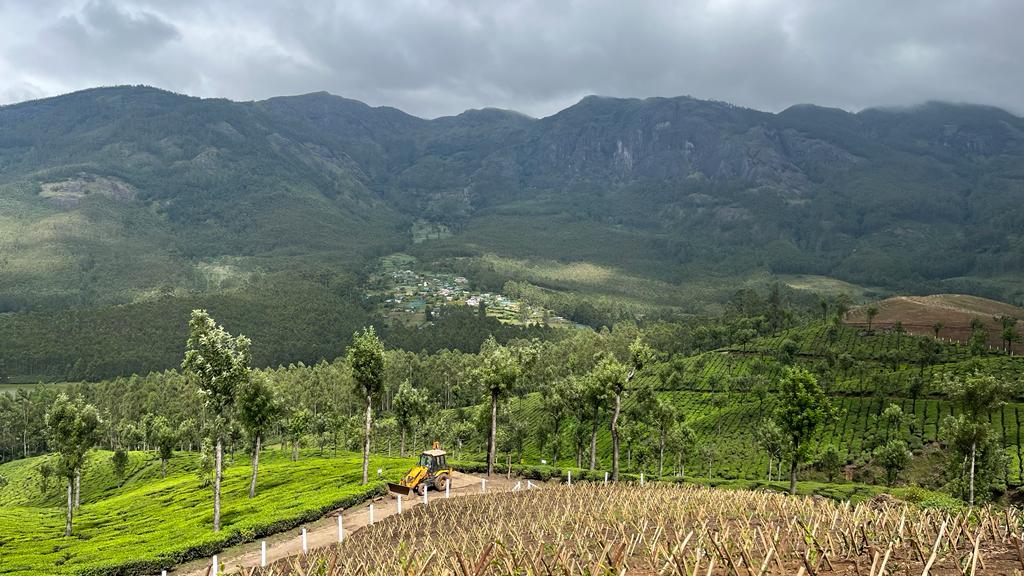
[{"x": 145, "y": 523}]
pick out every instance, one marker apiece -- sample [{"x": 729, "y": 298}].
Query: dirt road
[{"x": 324, "y": 532}]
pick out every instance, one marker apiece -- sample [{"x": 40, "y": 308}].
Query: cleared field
[
  {"x": 920, "y": 314},
  {"x": 589, "y": 529}
]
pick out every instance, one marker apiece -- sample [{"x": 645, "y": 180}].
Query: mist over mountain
[{"x": 137, "y": 197}]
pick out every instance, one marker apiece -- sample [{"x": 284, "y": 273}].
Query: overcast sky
[{"x": 436, "y": 57}]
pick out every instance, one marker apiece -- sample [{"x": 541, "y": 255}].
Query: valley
[{"x": 666, "y": 295}]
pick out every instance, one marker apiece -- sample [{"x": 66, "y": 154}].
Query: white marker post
[
  {"x": 641, "y": 478},
  {"x": 216, "y": 566},
  {"x": 569, "y": 482},
  {"x": 425, "y": 496},
  {"x": 341, "y": 531},
  {"x": 605, "y": 478},
  {"x": 483, "y": 485},
  {"x": 371, "y": 514},
  {"x": 305, "y": 548},
  {"x": 399, "y": 503},
  {"x": 263, "y": 554}
]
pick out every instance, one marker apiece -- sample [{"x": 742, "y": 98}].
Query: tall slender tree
[
  {"x": 258, "y": 409},
  {"x": 612, "y": 376},
  {"x": 499, "y": 369},
  {"x": 978, "y": 395},
  {"x": 164, "y": 439},
  {"x": 218, "y": 363},
  {"x": 871, "y": 312},
  {"x": 640, "y": 355},
  {"x": 595, "y": 399},
  {"x": 366, "y": 359},
  {"x": 73, "y": 428},
  {"x": 560, "y": 398},
  {"x": 409, "y": 405}
]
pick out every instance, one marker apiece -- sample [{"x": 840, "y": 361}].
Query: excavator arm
[{"x": 410, "y": 482}]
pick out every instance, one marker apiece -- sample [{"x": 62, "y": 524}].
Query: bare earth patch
[
  {"x": 70, "y": 193},
  {"x": 919, "y": 315}
]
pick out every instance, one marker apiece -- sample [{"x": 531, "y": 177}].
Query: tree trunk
[
  {"x": 217, "y": 476},
  {"x": 770, "y": 468},
  {"x": 615, "y": 437},
  {"x": 78, "y": 488},
  {"x": 295, "y": 450},
  {"x": 970, "y": 494},
  {"x": 792, "y": 474},
  {"x": 255, "y": 467},
  {"x": 661, "y": 455},
  {"x": 401, "y": 445},
  {"x": 593, "y": 442},
  {"x": 492, "y": 433},
  {"x": 554, "y": 444},
  {"x": 366, "y": 439},
  {"x": 67, "y": 522}
]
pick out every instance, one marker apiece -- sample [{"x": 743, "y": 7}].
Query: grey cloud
[
  {"x": 101, "y": 41},
  {"x": 433, "y": 57}
]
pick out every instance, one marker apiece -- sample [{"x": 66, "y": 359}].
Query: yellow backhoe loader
[{"x": 432, "y": 471}]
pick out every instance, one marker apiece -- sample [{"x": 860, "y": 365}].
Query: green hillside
[
  {"x": 724, "y": 394},
  {"x": 145, "y": 523},
  {"x": 123, "y": 205}
]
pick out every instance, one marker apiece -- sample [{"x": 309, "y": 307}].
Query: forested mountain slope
[{"x": 115, "y": 198}]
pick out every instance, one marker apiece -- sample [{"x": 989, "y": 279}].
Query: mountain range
[{"x": 126, "y": 199}]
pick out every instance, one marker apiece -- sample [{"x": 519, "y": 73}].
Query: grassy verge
[{"x": 149, "y": 523}]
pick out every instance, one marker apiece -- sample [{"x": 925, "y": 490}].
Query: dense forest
[{"x": 125, "y": 207}]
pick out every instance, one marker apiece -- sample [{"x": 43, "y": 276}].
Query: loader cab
[{"x": 434, "y": 460}]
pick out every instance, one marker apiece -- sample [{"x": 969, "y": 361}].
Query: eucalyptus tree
[
  {"x": 681, "y": 440},
  {"x": 218, "y": 363},
  {"x": 499, "y": 369},
  {"x": 977, "y": 395},
  {"x": 366, "y": 360},
  {"x": 258, "y": 410},
  {"x": 72, "y": 429},
  {"x": 409, "y": 405},
  {"x": 871, "y": 312},
  {"x": 559, "y": 399},
  {"x": 664, "y": 416},
  {"x": 1009, "y": 332},
  {"x": 640, "y": 355},
  {"x": 296, "y": 427},
  {"x": 614, "y": 377},
  {"x": 164, "y": 439},
  {"x": 595, "y": 399},
  {"x": 769, "y": 437}
]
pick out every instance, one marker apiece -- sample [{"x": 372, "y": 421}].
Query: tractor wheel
[{"x": 441, "y": 482}]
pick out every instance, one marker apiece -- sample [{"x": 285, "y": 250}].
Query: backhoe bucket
[{"x": 399, "y": 489}]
